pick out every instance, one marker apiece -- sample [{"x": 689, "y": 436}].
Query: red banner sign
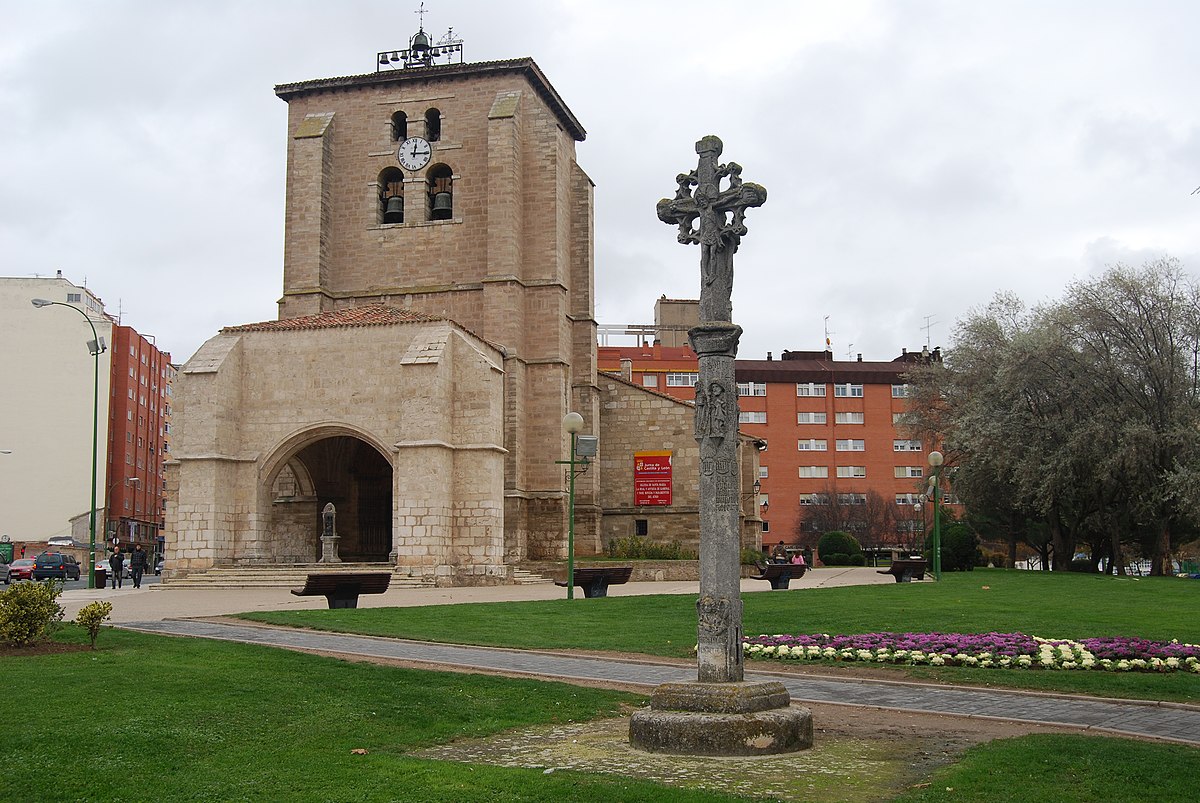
[{"x": 652, "y": 478}]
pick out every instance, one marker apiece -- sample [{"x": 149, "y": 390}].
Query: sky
[{"x": 919, "y": 155}]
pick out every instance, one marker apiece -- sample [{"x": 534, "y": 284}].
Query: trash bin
[{"x": 101, "y": 577}]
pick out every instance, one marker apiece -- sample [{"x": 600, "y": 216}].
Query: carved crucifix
[
  {"x": 721, "y": 214},
  {"x": 714, "y": 218}
]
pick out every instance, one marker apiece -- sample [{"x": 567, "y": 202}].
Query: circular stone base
[{"x": 698, "y": 733}]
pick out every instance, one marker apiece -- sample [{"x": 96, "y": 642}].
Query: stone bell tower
[{"x": 452, "y": 189}]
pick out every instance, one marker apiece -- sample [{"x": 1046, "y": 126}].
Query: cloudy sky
[{"x": 919, "y": 155}]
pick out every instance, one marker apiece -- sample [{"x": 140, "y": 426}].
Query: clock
[{"x": 414, "y": 153}]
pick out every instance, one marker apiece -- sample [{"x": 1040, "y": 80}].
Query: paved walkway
[{"x": 1133, "y": 718}]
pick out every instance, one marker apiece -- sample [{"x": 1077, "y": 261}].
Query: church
[{"x": 436, "y": 325}]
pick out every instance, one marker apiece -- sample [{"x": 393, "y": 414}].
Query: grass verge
[
  {"x": 1051, "y": 605},
  {"x": 1065, "y": 769},
  {"x": 154, "y": 718}
]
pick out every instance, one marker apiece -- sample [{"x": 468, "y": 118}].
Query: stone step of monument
[
  {"x": 525, "y": 578},
  {"x": 289, "y": 576}
]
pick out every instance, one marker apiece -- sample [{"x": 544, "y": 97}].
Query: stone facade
[{"x": 635, "y": 419}]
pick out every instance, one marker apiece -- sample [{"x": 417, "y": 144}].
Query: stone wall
[{"x": 633, "y": 420}]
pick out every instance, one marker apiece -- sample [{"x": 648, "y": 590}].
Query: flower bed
[{"x": 987, "y": 651}]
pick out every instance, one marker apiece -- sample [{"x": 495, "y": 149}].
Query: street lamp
[
  {"x": 573, "y": 423},
  {"x": 935, "y": 462},
  {"x": 96, "y": 347}
]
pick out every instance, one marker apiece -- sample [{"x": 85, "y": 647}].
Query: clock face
[{"x": 414, "y": 153}]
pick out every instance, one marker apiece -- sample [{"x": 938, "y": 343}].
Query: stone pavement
[{"x": 159, "y": 609}]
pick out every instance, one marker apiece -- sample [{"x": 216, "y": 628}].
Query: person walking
[
  {"x": 116, "y": 565},
  {"x": 137, "y": 565}
]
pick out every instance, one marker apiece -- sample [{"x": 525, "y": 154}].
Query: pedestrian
[
  {"x": 116, "y": 565},
  {"x": 798, "y": 559},
  {"x": 137, "y": 565},
  {"x": 779, "y": 553}
]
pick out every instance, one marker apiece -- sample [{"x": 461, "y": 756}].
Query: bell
[
  {"x": 394, "y": 213},
  {"x": 420, "y": 42},
  {"x": 443, "y": 206}
]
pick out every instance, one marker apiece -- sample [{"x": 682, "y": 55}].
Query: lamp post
[
  {"x": 96, "y": 347},
  {"x": 573, "y": 423},
  {"x": 935, "y": 462}
]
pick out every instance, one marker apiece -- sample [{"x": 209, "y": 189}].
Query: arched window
[
  {"x": 433, "y": 125},
  {"x": 399, "y": 127},
  {"x": 391, "y": 196},
  {"x": 440, "y": 189}
]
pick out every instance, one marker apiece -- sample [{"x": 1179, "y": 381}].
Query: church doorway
[{"x": 356, "y": 478}]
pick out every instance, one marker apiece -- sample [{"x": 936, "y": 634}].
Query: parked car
[
  {"x": 57, "y": 565},
  {"x": 158, "y": 566},
  {"x": 21, "y": 569}
]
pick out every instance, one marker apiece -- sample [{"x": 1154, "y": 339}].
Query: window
[
  {"x": 903, "y": 445},
  {"x": 848, "y": 418},
  {"x": 903, "y": 472},
  {"x": 752, "y": 388},
  {"x": 130, "y": 396},
  {"x": 682, "y": 380},
  {"x": 763, "y": 501},
  {"x": 440, "y": 189},
  {"x": 641, "y": 526},
  {"x": 399, "y": 127},
  {"x": 851, "y": 445},
  {"x": 649, "y": 380},
  {"x": 433, "y": 125},
  {"x": 810, "y": 389},
  {"x": 907, "y": 499},
  {"x": 852, "y": 471},
  {"x": 762, "y": 472},
  {"x": 814, "y": 499},
  {"x": 900, "y": 391},
  {"x": 814, "y": 472},
  {"x": 810, "y": 418},
  {"x": 766, "y": 528},
  {"x": 391, "y": 196},
  {"x": 752, "y": 417},
  {"x": 852, "y": 499},
  {"x": 74, "y": 298},
  {"x": 847, "y": 389},
  {"x": 812, "y": 445},
  {"x": 899, "y": 418}
]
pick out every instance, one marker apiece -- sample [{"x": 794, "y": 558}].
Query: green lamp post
[{"x": 935, "y": 463}]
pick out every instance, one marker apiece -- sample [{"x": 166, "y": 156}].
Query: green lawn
[
  {"x": 156, "y": 718},
  {"x": 1051, "y": 605},
  {"x": 1066, "y": 769}
]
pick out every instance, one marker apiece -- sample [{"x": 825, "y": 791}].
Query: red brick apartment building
[
  {"x": 833, "y": 431},
  {"x": 139, "y": 429}
]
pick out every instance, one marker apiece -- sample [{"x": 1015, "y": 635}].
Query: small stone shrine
[{"x": 720, "y": 714}]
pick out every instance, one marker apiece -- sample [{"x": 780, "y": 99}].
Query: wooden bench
[
  {"x": 906, "y": 569},
  {"x": 779, "y": 574},
  {"x": 342, "y": 588},
  {"x": 595, "y": 580}
]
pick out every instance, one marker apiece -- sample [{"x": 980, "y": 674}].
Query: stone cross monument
[
  {"x": 719, "y": 715},
  {"x": 720, "y": 215}
]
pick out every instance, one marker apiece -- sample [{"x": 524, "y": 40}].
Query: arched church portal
[{"x": 351, "y": 474}]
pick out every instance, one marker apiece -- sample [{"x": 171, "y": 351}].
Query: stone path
[{"x": 1164, "y": 721}]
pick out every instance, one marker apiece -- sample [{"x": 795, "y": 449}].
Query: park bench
[
  {"x": 342, "y": 588},
  {"x": 906, "y": 569},
  {"x": 779, "y": 574},
  {"x": 595, "y": 580}
]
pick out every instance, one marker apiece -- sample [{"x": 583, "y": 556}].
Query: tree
[{"x": 1078, "y": 418}]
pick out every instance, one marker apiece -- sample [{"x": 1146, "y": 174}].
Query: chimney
[
  {"x": 58, "y": 274},
  {"x": 768, "y": 356},
  {"x": 627, "y": 369},
  {"x": 860, "y": 356}
]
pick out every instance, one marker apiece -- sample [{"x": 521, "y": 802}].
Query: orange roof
[{"x": 367, "y": 315}]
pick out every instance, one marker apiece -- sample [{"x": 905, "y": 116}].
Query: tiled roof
[{"x": 366, "y": 315}]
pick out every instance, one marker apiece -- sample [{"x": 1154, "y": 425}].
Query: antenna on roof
[
  {"x": 929, "y": 322},
  {"x": 828, "y": 342}
]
